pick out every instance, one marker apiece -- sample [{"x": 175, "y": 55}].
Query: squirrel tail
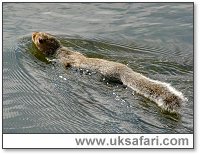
[{"x": 166, "y": 97}]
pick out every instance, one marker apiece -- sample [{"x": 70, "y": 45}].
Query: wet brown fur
[{"x": 161, "y": 93}]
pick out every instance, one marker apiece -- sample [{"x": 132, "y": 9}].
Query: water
[{"x": 155, "y": 39}]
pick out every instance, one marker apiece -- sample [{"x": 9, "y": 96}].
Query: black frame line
[{"x": 110, "y": 133}]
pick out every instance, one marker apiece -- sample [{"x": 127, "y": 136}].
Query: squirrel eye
[{"x": 41, "y": 40}]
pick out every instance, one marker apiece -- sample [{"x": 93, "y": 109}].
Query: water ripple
[{"x": 47, "y": 98}]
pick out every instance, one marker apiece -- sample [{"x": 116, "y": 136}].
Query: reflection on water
[{"x": 42, "y": 97}]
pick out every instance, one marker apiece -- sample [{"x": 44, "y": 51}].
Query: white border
[
  {"x": 197, "y": 70},
  {"x": 118, "y": 140},
  {"x": 98, "y": 1}
]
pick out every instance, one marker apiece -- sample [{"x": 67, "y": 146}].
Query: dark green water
[{"x": 155, "y": 39}]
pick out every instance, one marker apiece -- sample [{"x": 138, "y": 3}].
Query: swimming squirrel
[{"x": 166, "y": 97}]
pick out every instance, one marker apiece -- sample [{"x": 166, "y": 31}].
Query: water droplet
[
  {"x": 64, "y": 79},
  {"x": 60, "y": 76},
  {"x": 117, "y": 98}
]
